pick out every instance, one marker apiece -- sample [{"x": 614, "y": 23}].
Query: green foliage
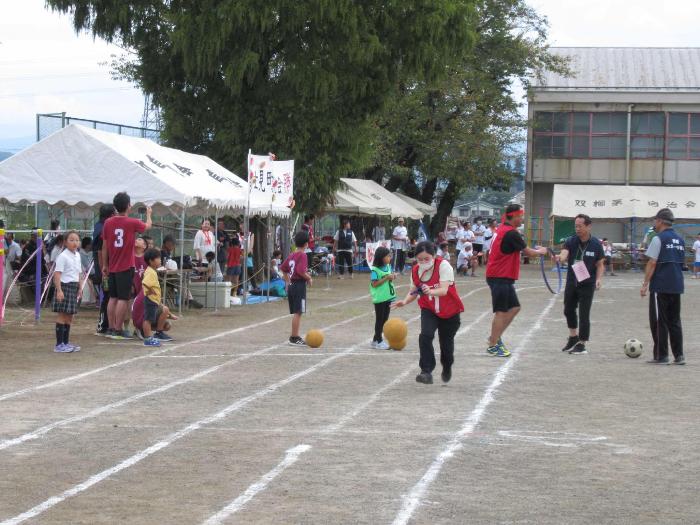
[
  {"x": 437, "y": 138},
  {"x": 301, "y": 78}
]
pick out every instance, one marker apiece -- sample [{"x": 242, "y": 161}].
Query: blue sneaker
[
  {"x": 75, "y": 348},
  {"x": 62, "y": 349},
  {"x": 151, "y": 341},
  {"x": 493, "y": 350},
  {"x": 502, "y": 350},
  {"x": 162, "y": 336}
]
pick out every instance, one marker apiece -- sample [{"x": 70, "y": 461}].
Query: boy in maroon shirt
[
  {"x": 296, "y": 275},
  {"x": 119, "y": 234}
]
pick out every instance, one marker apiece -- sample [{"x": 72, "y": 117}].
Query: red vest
[
  {"x": 503, "y": 265},
  {"x": 444, "y": 307}
]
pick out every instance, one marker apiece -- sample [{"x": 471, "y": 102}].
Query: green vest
[{"x": 385, "y": 291}]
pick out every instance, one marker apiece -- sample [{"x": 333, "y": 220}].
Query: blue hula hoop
[{"x": 544, "y": 274}]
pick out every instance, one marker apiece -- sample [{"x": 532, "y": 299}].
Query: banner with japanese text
[
  {"x": 271, "y": 181},
  {"x": 624, "y": 202},
  {"x": 371, "y": 247}
]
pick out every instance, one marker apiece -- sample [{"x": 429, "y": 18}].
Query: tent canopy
[
  {"x": 624, "y": 202},
  {"x": 427, "y": 209},
  {"x": 80, "y": 166},
  {"x": 369, "y": 198}
]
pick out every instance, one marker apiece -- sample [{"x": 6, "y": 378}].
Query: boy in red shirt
[
  {"x": 295, "y": 272},
  {"x": 233, "y": 264},
  {"x": 119, "y": 234}
]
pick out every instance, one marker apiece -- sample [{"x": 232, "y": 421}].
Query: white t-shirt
[
  {"x": 488, "y": 239},
  {"x": 445, "y": 255},
  {"x": 696, "y": 247},
  {"x": 204, "y": 242},
  {"x": 479, "y": 231},
  {"x": 354, "y": 240},
  {"x": 464, "y": 236},
  {"x": 14, "y": 252},
  {"x": 402, "y": 232},
  {"x": 55, "y": 252},
  {"x": 464, "y": 255},
  {"x": 446, "y": 273},
  {"x": 607, "y": 249},
  {"x": 68, "y": 263}
]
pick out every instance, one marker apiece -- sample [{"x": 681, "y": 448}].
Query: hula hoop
[{"x": 544, "y": 274}]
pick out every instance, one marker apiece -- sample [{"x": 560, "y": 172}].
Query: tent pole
[
  {"x": 182, "y": 257},
  {"x": 37, "y": 275},
  {"x": 268, "y": 261},
  {"x": 216, "y": 258}
]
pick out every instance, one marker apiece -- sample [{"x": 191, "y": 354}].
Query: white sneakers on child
[{"x": 379, "y": 346}]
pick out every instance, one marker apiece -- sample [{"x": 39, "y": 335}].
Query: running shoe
[
  {"x": 75, "y": 348},
  {"x": 493, "y": 350},
  {"x": 425, "y": 377},
  {"x": 680, "y": 360},
  {"x": 502, "y": 351},
  {"x": 62, "y": 349},
  {"x": 502, "y": 345},
  {"x": 570, "y": 343},
  {"x": 383, "y": 346},
  {"x": 664, "y": 361},
  {"x": 579, "y": 349},
  {"x": 297, "y": 341},
  {"x": 374, "y": 345},
  {"x": 104, "y": 333},
  {"x": 446, "y": 374},
  {"x": 162, "y": 336},
  {"x": 151, "y": 341}
]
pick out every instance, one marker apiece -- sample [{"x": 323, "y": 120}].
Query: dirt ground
[{"x": 229, "y": 424}]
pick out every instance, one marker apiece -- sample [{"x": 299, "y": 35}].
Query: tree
[
  {"x": 298, "y": 78},
  {"x": 439, "y": 137}
]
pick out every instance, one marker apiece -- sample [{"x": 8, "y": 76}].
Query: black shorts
[
  {"x": 503, "y": 296},
  {"x": 120, "y": 284},
  {"x": 478, "y": 248},
  {"x": 151, "y": 311},
  {"x": 296, "y": 297}
]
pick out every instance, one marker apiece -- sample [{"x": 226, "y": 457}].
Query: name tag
[{"x": 590, "y": 254}]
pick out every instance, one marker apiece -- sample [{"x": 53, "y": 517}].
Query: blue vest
[
  {"x": 345, "y": 240},
  {"x": 668, "y": 276}
]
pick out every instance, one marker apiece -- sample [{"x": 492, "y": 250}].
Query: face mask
[{"x": 424, "y": 267}]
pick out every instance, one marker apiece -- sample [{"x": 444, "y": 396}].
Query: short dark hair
[
  {"x": 235, "y": 241},
  {"x": 586, "y": 219},
  {"x": 87, "y": 241},
  {"x": 379, "y": 255},
  {"x": 151, "y": 254},
  {"x": 61, "y": 238},
  {"x": 513, "y": 207},
  {"x": 277, "y": 253},
  {"x": 146, "y": 238},
  {"x": 425, "y": 246},
  {"x": 55, "y": 223},
  {"x": 301, "y": 238},
  {"x": 169, "y": 238},
  {"x": 106, "y": 211},
  {"x": 209, "y": 255},
  {"x": 121, "y": 201}
]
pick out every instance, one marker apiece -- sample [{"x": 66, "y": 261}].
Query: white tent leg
[
  {"x": 182, "y": 258},
  {"x": 216, "y": 257}
]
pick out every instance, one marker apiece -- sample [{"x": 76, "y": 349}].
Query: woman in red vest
[{"x": 434, "y": 286}]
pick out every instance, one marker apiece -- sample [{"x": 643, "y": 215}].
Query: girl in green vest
[{"x": 381, "y": 288}]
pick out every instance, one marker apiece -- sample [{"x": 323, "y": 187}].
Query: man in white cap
[{"x": 399, "y": 243}]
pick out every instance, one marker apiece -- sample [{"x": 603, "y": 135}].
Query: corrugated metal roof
[{"x": 627, "y": 68}]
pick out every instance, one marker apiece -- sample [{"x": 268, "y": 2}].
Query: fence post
[
  {"x": 37, "y": 280},
  {"x": 2, "y": 275}
]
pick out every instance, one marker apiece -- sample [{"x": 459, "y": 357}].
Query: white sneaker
[
  {"x": 374, "y": 345},
  {"x": 383, "y": 346}
]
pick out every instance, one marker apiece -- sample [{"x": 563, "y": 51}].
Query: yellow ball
[
  {"x": 399, "y": 346},
  {"x": 314, "y": 338},
  {"x": 395, "y": 330}
]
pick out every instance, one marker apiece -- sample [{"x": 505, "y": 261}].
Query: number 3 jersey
[
  {"x": 119, "y": 233},
  {"x": 296, "y": 266}
]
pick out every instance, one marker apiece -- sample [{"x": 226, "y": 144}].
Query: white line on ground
[
  {"x": 35, "y": 434},
  {"x": 291, "y": 457},
  {"x": 333, "y": 428},
  {"x": 172, "y": 438},
  {"x": 163, "y": 350},
  {"x": 415, "y": 496}
]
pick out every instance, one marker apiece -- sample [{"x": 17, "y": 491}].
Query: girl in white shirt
[
  {"x": 203, "y": 241},
  {"x": 66, "y": 279}
]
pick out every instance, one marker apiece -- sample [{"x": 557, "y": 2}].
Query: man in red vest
[{"x": 502, "y": 271}]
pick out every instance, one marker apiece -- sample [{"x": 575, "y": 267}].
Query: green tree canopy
[{"x": 301, "y": 78}]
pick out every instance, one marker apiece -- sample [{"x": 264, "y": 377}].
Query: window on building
[{"x": 683, "y": 136}]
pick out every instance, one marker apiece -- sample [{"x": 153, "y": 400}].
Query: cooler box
[{"x": 212, "y": 294}]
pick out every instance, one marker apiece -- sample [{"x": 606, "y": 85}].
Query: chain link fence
[{"x": 48, "y": 123}]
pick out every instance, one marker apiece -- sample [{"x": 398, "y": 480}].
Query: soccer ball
[
  {"x": 633, "y": 348},
  {"x": 314, "y": 338}
]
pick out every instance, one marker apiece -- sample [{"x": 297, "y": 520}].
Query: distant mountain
[{"x": 4, "y": 155}]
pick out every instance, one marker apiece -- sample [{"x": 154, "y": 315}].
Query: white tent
[
  {"x": 87, "y": 167},
  {"x": 371, "y": 199},
  {"x": 624, "y": 202},
  {"x": 427, "y": 209}
]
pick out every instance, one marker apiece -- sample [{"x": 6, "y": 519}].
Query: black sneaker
[
  {"x": 578, "y": 349},
  {"x": 570, "y": 343},
  {"x": 446, "y": 374},
  {"x": 296, "y": 341},
  {"x": 680, "y": 360},
  {"x": 425, "y": 377},
  {"x": 663, "y": 361}
]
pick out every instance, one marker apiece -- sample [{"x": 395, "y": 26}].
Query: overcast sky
[{"x": 45, "y": 67}]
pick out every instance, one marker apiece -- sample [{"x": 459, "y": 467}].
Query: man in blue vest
[{"x": 664, "y": 279}]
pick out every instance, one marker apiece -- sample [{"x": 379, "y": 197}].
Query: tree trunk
[{"x": 444, "y": 209}]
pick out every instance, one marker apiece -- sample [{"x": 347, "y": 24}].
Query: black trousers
[
  {"x": 381, "y": 311},
  {"x": 399, "y": 260},
  {"x": 665, "y": 323},
  {"x": 344, "y": 259},
  {"x": 310, "y": 261},
  {"x": 581, "y": 298},
  {"x": 446, "y": 329}
]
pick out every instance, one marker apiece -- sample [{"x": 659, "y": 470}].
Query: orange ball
[
  {"x": 395, "y": 330},
  {"x": 314, "y": 338},
  {"x": 399, "y": 346}
]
